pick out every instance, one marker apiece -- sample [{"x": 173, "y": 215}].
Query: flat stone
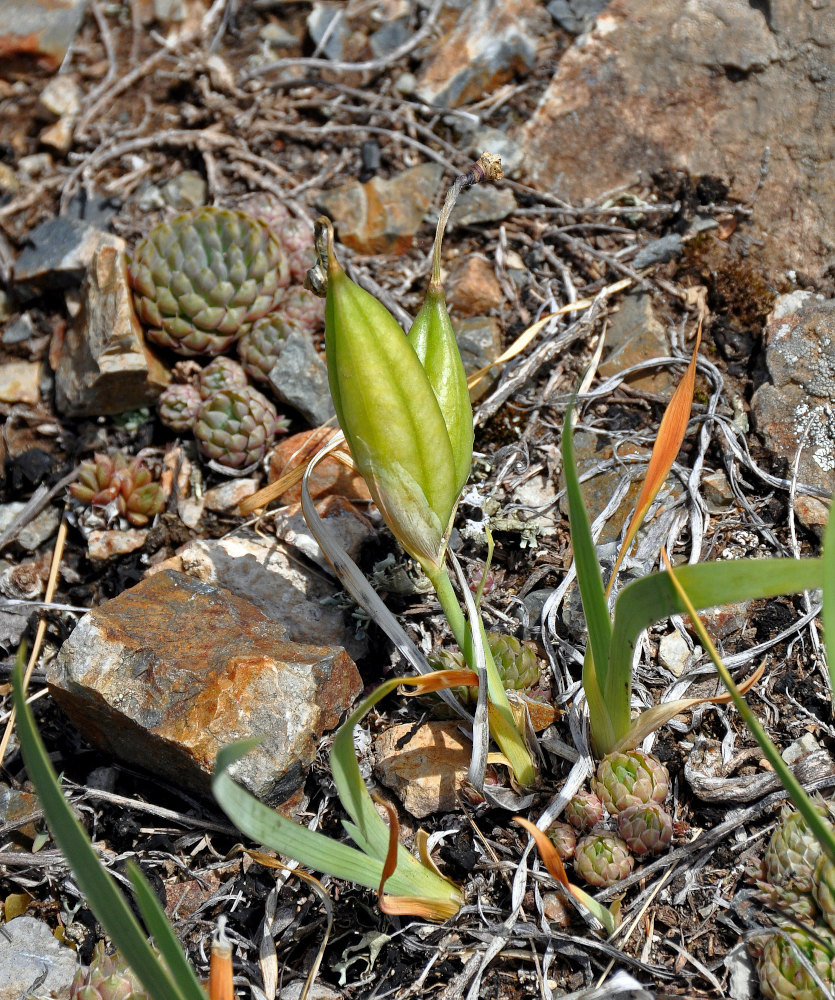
[
  {"x": 799, "y": 405},
  {"x": 482, "y": 204},
  {"x": 492, "y": 41},
  {"x": 575, "y": 16},
  {"x": 21, "y": 330},
  {"x": 106, "y": 544},
  {"x": 57, "y": 254},
  {"x": 673, "y": 652},
  {"x": 171, "y": 671},
  {"x": 37, "y": 531},
  {"x": 800, "y": 748},
  {"x": 717, "y": 492},
  {"x": 812, "y": 513},
  {"x": 382, "y": 216},
  {"x": 277, "y": 37},
  {"x": 351, "y": 529},
  {"x": 32, "y": 958},
  {"x": 635, "y": 335},
  {"x": 319, "y": 22},
  {"x": 16, "y": 806},
  {"x": 61, "y": 96},
  {"x": 226, "y": 497},
  {"x": 105, "y": 364},
  {"x": 39, "y": 29},
  {"x": 641, "y": 92},
  {"x": 479, "y": 340},
  {"x": 473, "y": 288},
  {"x": 272, "y": 578},
  {"x": 20, "y": 382},
  {"x": 185, "y": 191},
  {"x": 329, "y": 477},
  {"x": 389, "y": 37},
  {"x": 424, "y": 766},
  {"x": 300, "y": 378}
]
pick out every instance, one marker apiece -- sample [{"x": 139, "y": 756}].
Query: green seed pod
[
  {"x": 390, "y": 416},
  {"x": 434, "y": 342}
]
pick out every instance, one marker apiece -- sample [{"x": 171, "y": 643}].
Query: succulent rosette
[
  {"x": 220, "y": 374},
  {"x": 259, "y": 348},
  {"x": 630, "y": 778},
  {"x": 236, "y": 427},
  {"x": 793, "y": 851},
  {"x": 178, "y": 406},
  {"x": 602, "y": 859},
  {"x": 301, "y": 307},
  {"x": 584, "y": 811},
  {"x": 516, "y": 662},
  {"x": 107, "y": 978},
  {"x": 563, "y": 837},
  {"x": 780, "y": 969},
  {"x": 646, "y": 828},
  {"x": 202, "y": 279},
  {"x": 127, "y": 483}
]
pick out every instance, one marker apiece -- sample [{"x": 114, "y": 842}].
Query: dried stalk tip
[{"x": 490, "y": 165}]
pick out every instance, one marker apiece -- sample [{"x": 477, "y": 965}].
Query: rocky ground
[{"x": 663, "y": 162}]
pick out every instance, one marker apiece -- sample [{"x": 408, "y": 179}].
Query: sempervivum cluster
[
  {"x": 125, "y": 483},
  {"x": 798, "y": 880},
  {"x": 236, "y": 426},
  {"x": 203, "y": 278},
  {"x": 107, "y": 978},
  {"x": 515, "y": 660},
  {"x": 233, "y": 423},
  {"x": 631, "y": 787},
  {"x": 259, "y": 348}
]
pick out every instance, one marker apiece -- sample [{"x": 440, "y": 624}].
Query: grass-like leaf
[
  {"x": 434, "y": 897},
  {"x": 607, "y": 718},
  {"x": 817, "y": 824},
  {"x": 828, "y": 615},
  {"x": 103, "y": 896}
]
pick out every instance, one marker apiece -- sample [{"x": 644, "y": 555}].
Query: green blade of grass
[
  {"x": 162, "y": 933},
  {"x": 817, "y": 824},
  {"x": 654, "y": 597},
  {"x": 270, "y": 828},
  {"x": 607, "y": 717},
  {"x": 104, "y": 898}
]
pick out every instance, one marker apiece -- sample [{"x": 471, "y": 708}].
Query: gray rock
[
  {"x": 319, "y": 23},
  {"x": 105, "y": 365},
  {"x": 351, "y": 529},
  {"x": 39, "y": 28},
  {"x": 576, "y": 16},
  {"x": 479, "y": 340},
  {"x": 636, "y": 334},
  {"x": 185, "y": 191},
  {"x": 171, "y": 671},
  {"x": 57, "y": 254},
  {"x": 22, "y": 329},
  {"x": 31, "y": 957},
  {"x": 482, "y": 204},
  {"x": 37, "y": 531},
  {"x": 799, "y": 406},
  {"x": 658, "y": 251},
  {"x": 643, "y": 89},
  {"x": 274, "y": 581},
  {"x": 277, "y": 37},
  {"x": 389, "y": 37},
  {"x": 300, "y": 378},
  {"x": 493, "y": 40}
]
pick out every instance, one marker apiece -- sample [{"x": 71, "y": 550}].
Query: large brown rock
[
  {"x": 708, "y": 87},
  {"x": 105, "y": 365},
  {"x": 169, "y": 672}
]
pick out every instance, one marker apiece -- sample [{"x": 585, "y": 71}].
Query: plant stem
[{"x": 503, "y": 725}]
